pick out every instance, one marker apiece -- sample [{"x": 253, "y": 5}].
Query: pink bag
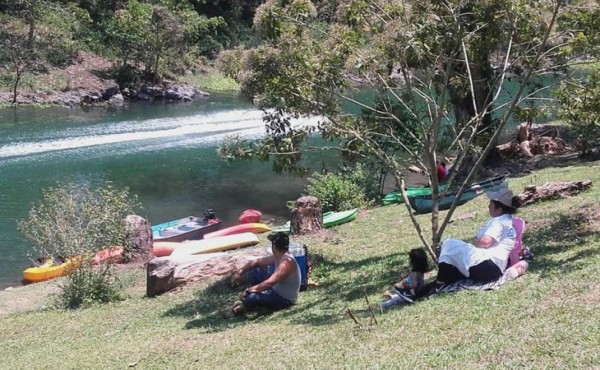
[{"x": 519, "y": 226}]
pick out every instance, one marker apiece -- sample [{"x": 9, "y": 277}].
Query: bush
[
  {"x": 75, "y": 221},
  {"x": 351, "y": 188},
  {"x": 89, "y": 284},
  {"x": 72, "y": 220}
]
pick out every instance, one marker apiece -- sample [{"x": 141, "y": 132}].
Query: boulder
[
  {"x": 166, "y": 273},
  {"x": 116, "y": 100},
  {"x": 138, "y": 238}
]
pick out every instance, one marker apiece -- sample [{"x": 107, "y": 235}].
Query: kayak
[
  {"x": 330, "y": 219},
  {"x": 109, "y": 255},
  {"x": 50, "y": 268},
  {"x": 187, "y": 228},
  {"x": 256, "y": 228},
  {"x": 396, "y": 196},
  {"x": 216, "y": 244},
  {"x": 424, "y": 204},
  {"x": 250, "y": 216}
]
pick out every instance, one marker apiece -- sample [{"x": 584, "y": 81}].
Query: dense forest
[
  {"x": 301, "y": 56},
  {"x": 146, "y": 40}
]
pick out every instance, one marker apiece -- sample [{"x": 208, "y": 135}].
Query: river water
[{"x": 166, "y": 154}]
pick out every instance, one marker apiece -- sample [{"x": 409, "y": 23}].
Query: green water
[{"x": 166, "y": 154}]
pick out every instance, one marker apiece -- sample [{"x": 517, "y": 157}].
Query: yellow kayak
[
  {"x": 216, "y": 244},
  {"x": 50, "y": 269}
]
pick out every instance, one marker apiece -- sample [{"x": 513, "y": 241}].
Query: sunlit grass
[
  {"x": 211, "y": 81},
  {"x": 546, "y": 319}
]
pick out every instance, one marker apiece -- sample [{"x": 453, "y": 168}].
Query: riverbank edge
[
  {"x": 48, "y": 287},
  {"x": 87, "y": 82}
]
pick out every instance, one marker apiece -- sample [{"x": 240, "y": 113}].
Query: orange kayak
[{"x": 109, "y": 255}]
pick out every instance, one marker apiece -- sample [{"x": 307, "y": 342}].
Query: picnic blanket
[{"x": 511, "y": 273}]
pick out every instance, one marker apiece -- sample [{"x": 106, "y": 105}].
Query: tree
[
  {"x": 425, "y": 61},
  {"x": 16, "y": 54},
  {"x": 579, "y": 94}
]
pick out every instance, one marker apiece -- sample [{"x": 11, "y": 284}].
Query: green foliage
[
  {"x": 72, "y": 220},
  {"x": 229, "y": 62},
  {"x": 88, "y": 285},
  {"x": 580, "y": 107},
  {"x": 350, "y": 188}
]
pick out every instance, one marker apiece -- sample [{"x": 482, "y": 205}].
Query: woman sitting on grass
[
  {"x": 404, "y": 291},
  {"x": 484, "y": 259}
]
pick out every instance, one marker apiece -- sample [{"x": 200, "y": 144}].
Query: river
[{"x": 165, "y": 154}]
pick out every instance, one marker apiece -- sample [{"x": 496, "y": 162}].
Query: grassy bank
[{"x": 547, "y": 318}]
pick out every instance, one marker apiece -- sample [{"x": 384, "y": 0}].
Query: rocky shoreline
[
  {"x": 111, "y": 95},
  {"x": 82, "y": 85}
]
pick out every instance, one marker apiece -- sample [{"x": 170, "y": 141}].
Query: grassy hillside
[{"x": 547, "y": 318}]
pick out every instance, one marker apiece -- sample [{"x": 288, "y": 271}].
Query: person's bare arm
[
  {"x": 485, "y": 242},
  {"x": 285, "y": 269},
  {"x": 266, "y": 261}
]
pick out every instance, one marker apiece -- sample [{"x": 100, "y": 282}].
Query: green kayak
[
  {"x": 330, "y": 219},
  {"x": 396, "y": 196}
]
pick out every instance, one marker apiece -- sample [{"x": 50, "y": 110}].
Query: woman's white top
[{"x": 464, "y": 255}]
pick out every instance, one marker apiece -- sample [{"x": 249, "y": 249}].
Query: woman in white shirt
[{"x": 484, "y": 259}]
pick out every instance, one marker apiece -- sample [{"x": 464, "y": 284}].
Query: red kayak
[
  {"x": 250, "y": 216},
  {"x": 108, "y": 255},
  {"x": 238, "y": 229}
]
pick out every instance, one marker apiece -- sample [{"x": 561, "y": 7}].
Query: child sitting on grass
[{"x": 404, "y": 291}]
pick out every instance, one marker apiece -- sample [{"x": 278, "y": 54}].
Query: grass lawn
[{"x": 548, "y": 318}]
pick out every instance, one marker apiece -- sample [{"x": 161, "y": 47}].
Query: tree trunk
[
  {"x": 307, "y": 216},
  {"x": 138, "y": 238},
  {"x": 166, "y": 273}
]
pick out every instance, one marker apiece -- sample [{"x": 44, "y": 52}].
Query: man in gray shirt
[{"x": 277, "y": 291}]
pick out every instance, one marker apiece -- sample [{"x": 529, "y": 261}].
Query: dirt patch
[{"x": 27, "y": 298}]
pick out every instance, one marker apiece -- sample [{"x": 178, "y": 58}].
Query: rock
[
  {"x": 153, "y": 91},
  {"x": 109, "y": 92},
  {"x": 116, "y": 100},
  {"x": 138, "y": 235},
  {"x": 166, "y": 273}
]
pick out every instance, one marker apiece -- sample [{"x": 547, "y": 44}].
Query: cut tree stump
[
  {"x": 552, "y": 190},
  {"x": 307, "y": 216},
  {"x": 138, "y": 237},
  {"x": 166, "y": 273}
]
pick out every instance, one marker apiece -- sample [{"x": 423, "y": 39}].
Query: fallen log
[
  {"x": 552, "y": 190},
  {"x": 166, "y": 273}
]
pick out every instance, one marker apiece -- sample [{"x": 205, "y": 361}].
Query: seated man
[{"x": 277, "y": 291}]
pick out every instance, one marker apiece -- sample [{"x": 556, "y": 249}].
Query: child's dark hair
[{"x": 418, "y": 260}]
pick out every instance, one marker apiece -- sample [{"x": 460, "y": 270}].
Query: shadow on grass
[
  {"x": 566, "y": 233},
  {"x": 342, "y": 283}
]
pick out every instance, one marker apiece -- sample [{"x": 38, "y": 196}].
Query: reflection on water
[{"x": 166, "y": 154}]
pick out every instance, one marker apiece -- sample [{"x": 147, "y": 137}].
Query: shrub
[
  {"x": 87, "y": 285},
  {"x": 350, "y": 188},
  {"x": 76, "y": 221}
]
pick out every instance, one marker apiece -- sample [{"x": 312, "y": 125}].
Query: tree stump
[
  {"x": 552, "y": 190},
  {"x": 166, "y": 273},
  {"x": 307, "y": 216},
  {"x": 138, "y": 238}
]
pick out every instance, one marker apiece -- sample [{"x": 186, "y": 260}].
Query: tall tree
[{"x": 425, "y": 60}]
